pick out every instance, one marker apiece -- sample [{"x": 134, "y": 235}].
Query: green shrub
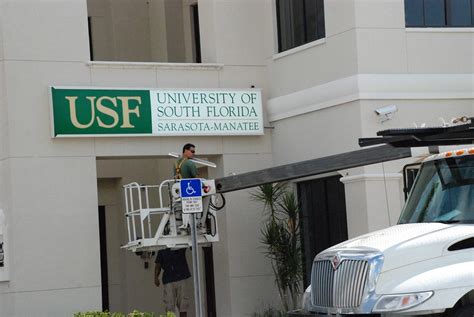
[
  {"x": 270, "y": 312},
  {"x": 134, "y": 313},
  {"x": 98, "y": 314}
]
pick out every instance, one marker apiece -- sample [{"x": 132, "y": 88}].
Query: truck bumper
[
  {"x": 300, "y": 313},
  {"x": 303, "y": 313}
]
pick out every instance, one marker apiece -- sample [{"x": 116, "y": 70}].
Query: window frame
[{"x": 320, "y": 23}]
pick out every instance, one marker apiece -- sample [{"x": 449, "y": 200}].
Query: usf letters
[{"x": 100, "y": 112}]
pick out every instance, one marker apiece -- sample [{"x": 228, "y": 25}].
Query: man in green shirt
[{"x": 184, "y": 167}]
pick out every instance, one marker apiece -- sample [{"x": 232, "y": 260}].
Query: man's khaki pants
[{"x": 175, "y": 297}]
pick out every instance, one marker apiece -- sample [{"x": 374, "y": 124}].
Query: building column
[{"x": 373, "y": 201}]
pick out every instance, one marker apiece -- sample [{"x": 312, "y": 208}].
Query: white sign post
[{"x": 191, "y": 199}]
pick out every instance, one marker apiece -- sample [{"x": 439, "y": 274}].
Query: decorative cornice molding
[{"x": 371, "y": 86}]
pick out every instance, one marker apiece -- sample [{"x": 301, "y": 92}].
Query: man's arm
[{"x": 157, "y": 274}]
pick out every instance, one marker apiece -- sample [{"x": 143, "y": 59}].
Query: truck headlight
[
  {"x": 306, "y": 302},
  {"x": 388, "y": 303}
]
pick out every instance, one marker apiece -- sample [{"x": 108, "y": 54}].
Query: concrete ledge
[{"x": 146, "y": 65}]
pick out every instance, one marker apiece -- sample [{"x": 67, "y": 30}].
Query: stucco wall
[{"x": 367, "y": 37}]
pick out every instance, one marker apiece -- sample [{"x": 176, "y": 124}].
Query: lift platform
[{"x": 158, "y": 223}]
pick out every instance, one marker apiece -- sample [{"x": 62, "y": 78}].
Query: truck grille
[{"x": 341, "y": 288}]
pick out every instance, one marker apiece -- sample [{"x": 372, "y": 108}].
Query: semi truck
[{"x": 424, "y": 265}]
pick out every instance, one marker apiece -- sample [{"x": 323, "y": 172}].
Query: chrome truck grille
[{"x": 342, "y": 287}]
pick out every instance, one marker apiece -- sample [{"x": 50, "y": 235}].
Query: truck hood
[{"x": 408, "y": 243}]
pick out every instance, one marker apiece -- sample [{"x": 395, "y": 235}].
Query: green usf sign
[
  {"x": 100, "y": 112},
  {"x": 96, "y": 112}
]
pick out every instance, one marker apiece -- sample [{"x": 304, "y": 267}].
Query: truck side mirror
[{"x": 410, "y": 171}]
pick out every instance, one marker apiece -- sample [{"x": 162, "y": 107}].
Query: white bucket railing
[{"x": 139, "y": 211}]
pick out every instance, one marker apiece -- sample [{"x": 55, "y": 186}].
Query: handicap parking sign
[
  {"x": 191, "y": 187},
  {"x": 191, "y": 195}
]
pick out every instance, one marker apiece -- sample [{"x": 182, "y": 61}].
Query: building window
[
  {"x": 439, "y": 13},
  {"x": 195, "y": 33},
  {"x": 299, "y": 22},
  {"x": 144, "y": 31}
]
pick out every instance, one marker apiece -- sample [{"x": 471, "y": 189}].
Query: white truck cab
[{"x": 423, "y": 265}]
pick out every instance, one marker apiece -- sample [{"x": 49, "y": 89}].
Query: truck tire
[{"x": 465, "y": 311}]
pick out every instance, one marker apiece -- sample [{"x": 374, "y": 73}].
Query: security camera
[
  {"x": 386, "y": 110},
  {"x": 385, "y": 113}
]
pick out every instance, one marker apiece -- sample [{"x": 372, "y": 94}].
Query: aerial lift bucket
[{"x": 153, "y": 224}]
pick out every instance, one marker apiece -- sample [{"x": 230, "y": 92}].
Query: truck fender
[{"x": 448, "y": 282}]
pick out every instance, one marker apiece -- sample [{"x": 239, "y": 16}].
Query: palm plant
[
  {"x": 270, "y": 195},
  {"x": 280, "y": 235}
]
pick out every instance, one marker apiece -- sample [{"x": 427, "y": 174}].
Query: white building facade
[{"x": 323, "y": 68}]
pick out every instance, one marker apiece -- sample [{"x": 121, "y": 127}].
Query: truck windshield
[{"x": 443, "y": 192}]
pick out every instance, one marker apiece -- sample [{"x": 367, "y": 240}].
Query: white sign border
[{"x": 141, "y": 135}]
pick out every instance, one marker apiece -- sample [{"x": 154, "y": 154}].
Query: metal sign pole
[
  {"x": 196, "y": 276},
  {"x": 191, "y": 200}
]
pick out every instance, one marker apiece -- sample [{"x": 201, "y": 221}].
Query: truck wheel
[{"x": 465, "y": 311}]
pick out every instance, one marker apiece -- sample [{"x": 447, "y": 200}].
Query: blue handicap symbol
[{"x": 191, "y": 187}]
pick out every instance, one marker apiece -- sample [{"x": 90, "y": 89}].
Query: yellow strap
[{"x": 178, "y": 168}]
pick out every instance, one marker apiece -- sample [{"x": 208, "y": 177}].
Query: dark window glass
[
  {"x": 91, "y": 48},
  {"x": 320, "y": 13},
  {"x": 434, "y": 13},
  {"x": 459, "y": 12},
  {"x": 299, "y": 22},
  {"x": 299, "y": 29},
  {"x": 414, "y": 15},
  {"x": 472, "y": 12},
  {"x": 439, "y": 13},
  {"x": 285, "y": 34},
  {"x": 311, "y": 17},
  {"x": 196, "y": 33}
]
